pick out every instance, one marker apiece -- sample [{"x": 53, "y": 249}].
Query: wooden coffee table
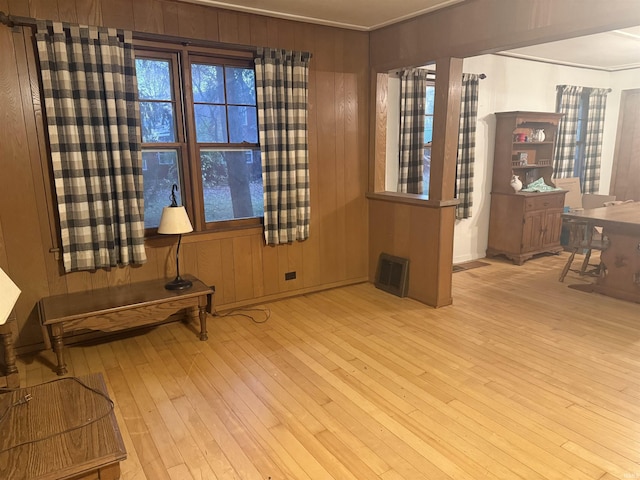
[{"x": 65, "y": 431}]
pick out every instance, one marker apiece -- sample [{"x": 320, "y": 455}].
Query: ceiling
[
  {"x": 353, "y": 14},
  {"x": 611, "y": 51}
]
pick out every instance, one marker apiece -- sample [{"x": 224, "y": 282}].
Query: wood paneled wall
[
  {"x": 416, "y": 231},
  {"x": 238, "y": 263}
]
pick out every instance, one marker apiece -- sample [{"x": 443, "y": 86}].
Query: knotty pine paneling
[{"x": 237, "y": 263}]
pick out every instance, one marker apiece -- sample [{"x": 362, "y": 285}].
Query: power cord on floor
[{"x": 239, "y": 312}]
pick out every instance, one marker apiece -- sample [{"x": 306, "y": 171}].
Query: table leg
[
  {"x": 9, "y": 353},
  {"x": 202, "y": 313},
  {"x": 58, "y": 346}
]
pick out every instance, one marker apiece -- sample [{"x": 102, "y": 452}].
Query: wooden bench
[{"x": 118, "y": 308}]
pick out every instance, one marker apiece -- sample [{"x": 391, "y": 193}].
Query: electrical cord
[
  {"x": 29, "y": 397},
  {"x": 239, "y": 313}
]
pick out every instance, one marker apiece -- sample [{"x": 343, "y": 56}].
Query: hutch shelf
[{"x": 523, "y": 224}]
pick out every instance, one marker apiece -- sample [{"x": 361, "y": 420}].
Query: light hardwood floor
[{"x": 522, "y": 378}]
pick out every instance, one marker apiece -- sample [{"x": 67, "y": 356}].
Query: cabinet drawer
[{"x": 544, "y": 202}]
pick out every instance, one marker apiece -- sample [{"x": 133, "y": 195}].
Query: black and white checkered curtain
[
  {"x": 593, "y": 141},
  {"x": 90, "y": 95},
  {"x": 413, "y": 92},
  {"x": 467, "y": 143},
  {"x": 568, "y": 102},
  {"x": 282, "y": 79}
]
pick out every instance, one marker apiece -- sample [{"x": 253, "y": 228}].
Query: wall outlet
[{"x": 290, "y": 276}]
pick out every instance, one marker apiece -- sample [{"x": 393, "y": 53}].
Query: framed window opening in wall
[
  {"x": 200, "y": 131},
  {"x": 393, "y": 100}
]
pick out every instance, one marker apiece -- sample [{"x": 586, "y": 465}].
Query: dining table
[{"x": 620, "y": 258}]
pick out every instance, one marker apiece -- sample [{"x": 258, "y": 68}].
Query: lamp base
[{"x": 178, "y": 283}]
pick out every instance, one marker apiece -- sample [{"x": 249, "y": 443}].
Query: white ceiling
[
  {"x": 612, "y": 51},
  {"x": 353, "y": 14}
]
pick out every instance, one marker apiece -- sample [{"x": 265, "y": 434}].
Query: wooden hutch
[{"x": 524, "y": 224}]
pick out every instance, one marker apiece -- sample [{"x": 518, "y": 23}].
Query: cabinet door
[
  {"x": 552, "y": 228},
  {"x": 533, "y": 230}
]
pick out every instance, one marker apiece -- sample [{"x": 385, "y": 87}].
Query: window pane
[
  {"x": 431, "y": 91},
  {"x": 241, "y": 86},
  {"x": 157, "y": 120},
  {"x": 426, "y": 171},
  {"x": 428, "y": 129},
  {"x": 154, "y": 79},
  {"x": 232, "y": 184},
  {"x": 160, "y": 173},
  {"x": 207, "y": 83},
  {"x": 211, "y": 123},
  {"x": 243, "y": 126}
]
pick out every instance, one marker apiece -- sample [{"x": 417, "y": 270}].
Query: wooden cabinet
[{"x": 524, "y": 224}]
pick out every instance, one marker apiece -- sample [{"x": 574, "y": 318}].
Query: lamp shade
[
  {"x": 8, "y": 297},
  {"x": 174, "y": 220}
]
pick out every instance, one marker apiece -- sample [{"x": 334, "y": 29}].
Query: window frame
[
  {"x": 191, "y": 188},
  {"x": 431, "y": 82}
]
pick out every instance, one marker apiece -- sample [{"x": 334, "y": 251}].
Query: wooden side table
[
  {"x": 65, "y": 431},
  {"x": 119, "y": 308}
]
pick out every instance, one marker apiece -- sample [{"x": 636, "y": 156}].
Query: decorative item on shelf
[
  {"x": 175, "y": 221},
  {"x": 523, "y": 158},
  {"x": 538, "y": 135},
  {"x": 516, "y": 184}
]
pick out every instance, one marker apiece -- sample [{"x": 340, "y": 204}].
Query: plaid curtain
[
  {"x": 467, "y": 143},
  {"x": 568, "y": 102},
  {"x": 282, "y": 79},
  {"x": 413, "y": 92},
  {"x": 593, "y": 141},
  {"x": 90, "y": 95}
]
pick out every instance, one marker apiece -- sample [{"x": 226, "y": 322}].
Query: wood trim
[
  {"x": 379, "y": 85},
  {"x": 412, "y": 199},
  {"x": 446, "y": 114}
]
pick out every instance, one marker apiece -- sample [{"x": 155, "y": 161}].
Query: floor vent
[{"x": 392, "y": 274}]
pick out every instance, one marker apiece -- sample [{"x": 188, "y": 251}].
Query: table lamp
[
  {"x": 10, "y": 293},
  {"x": 175, "y": 221}
]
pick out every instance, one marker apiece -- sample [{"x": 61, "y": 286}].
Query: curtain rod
[
  {"x": 15, "y": 21},
  {"x": 433, "y": 73}
]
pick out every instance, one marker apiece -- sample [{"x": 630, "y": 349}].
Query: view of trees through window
[
  {"x": 428, "y": 138},
  {"x": 221, "y": 106}
]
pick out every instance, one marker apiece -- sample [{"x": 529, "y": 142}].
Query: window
[
  {"x": 200, "y": 131},
  {"x": 581, "y": 135},
  {"x": 428, "y": 137}
]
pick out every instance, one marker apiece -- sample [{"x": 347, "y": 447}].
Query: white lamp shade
[
  {"x": 8, "y": 297},
  {"x": 174, "y": 220}
]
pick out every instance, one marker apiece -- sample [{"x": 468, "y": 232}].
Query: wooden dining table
[{"x": 620, "y": 275}]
